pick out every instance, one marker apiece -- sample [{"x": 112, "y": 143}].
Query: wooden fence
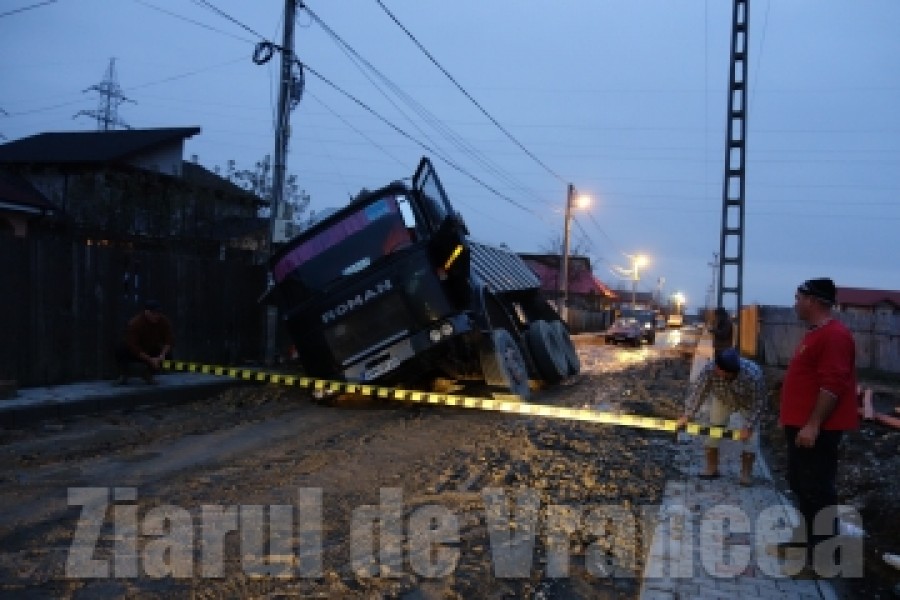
[
  {"x": 64, "y": 306},
  {"x": 877, "y": 337},
  {"x": 586, "y": 321}
]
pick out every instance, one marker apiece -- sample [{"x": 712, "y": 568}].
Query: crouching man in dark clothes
[{"x": 148, "y": 339}]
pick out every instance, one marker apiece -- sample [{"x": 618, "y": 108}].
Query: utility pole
[
  {"x": 282, "y": 133},
  {"x": 731, "y": 246},
  {"x": 659, "y": 286},
  {"x": 564, "y": 284},
  {"x": 107, "y": 113}
]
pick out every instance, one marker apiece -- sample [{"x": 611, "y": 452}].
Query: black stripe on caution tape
[{"x": 510, "y": 404}]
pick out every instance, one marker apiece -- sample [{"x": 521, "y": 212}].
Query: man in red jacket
[
  {"x": 818, "y": 403},
  {"x": 148, "y": 339}
]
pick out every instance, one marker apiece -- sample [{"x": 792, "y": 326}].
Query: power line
[
  {"x": 24, "y": 8},
  {"x": 426, "y": 147},
  {"x": 265, "y": 45},
  {"x": 225, "y": 15},
  {"x": 460, "y": 142},
  {"x": 469, "y": 96},
  {"x": 193, "y": 21}
]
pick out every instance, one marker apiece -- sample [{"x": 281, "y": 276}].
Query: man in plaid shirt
[{"x": 736, "y": 385}]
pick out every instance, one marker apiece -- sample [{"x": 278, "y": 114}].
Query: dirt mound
[{"x": 867, "y": 480}]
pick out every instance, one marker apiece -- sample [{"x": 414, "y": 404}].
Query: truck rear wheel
[
  {"x": 572, "y": 361},
  {"x": 546, "y": 348},
  {"x": 503, "y": 364}
]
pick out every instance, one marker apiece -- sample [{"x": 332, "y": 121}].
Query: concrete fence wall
[
  {"x": 585, "y": 321},
  {"x": 779, "y": 332}
]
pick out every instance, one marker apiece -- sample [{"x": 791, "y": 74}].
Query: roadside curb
[{"x": 31, "y": 405}]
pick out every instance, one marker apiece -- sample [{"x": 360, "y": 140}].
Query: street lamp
[
  {"x": 678, "y": 297},
  {"x": 637, "y": 262},
  {"x": 582, "y": 202}
]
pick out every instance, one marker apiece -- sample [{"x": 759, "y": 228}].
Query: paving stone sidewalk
[{"x": 690, "y": 555}]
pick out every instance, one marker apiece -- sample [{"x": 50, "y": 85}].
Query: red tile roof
[
  {"x": 848, "y": 296},
  {"x": 581, "y": 280}
]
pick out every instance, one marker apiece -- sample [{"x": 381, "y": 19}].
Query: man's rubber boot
[
  {"x": 712, "y": 464},
  {"x": 747, "y": 459}
]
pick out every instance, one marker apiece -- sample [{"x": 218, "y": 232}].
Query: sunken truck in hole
[{"x": 390, "y": 289}]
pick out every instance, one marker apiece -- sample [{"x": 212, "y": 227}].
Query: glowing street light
[
  {"x": 580, "y": 201},
  {"x": 637, "y": 262},
  {"x": 679, "y": 299}
]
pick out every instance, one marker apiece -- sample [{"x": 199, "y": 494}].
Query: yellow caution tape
[{"x": 505, "y": 405}]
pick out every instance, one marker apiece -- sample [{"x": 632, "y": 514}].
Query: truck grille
[{"x": 367, "y": 326}]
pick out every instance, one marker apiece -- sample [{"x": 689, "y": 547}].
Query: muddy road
[{"x": 262, "y": 492}]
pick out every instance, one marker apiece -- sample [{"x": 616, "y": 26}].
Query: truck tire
[
  {"x": 569, "y": 351},
  {"x": 547, "y": 351},
  {"x": 503, "y": 364}
]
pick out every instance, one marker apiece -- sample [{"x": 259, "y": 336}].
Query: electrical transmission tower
[
  {"x": 107, "y": 113},
  {"x": 731, "y": 247}
]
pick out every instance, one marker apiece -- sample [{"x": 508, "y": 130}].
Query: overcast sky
[{"x": 624, "y": 99}]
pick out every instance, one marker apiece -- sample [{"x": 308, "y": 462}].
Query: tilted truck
[{"x": 390, "y": 289}]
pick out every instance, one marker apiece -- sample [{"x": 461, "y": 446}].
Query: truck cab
[{"x": 391, "y": 289}]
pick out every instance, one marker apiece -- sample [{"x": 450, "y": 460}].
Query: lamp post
[
  {"x": 637, "y": 262},
  {"x": 678, "y": 297},
  {"x": 582, "y": 202}
]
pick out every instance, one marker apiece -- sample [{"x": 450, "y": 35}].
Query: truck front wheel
[
  {"x": 503, "y": 365},
  {"x": 547, "y": 350},
  {"x": 572, "y": 361}
]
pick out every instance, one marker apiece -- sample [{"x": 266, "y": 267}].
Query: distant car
[
  {"x": 675, "y": 321},
  {"x": 626, "y": 330},
  {"x": 647, "y": 320}
]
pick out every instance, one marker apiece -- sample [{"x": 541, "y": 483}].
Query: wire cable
[
  {"x": 421, "y": 111},
  {"x": 469, "y": 96},
  {"x": 268, "y": 44},
  {"x": 426, "y": 147},
  {"x": 24, "y": 8},
  {"x": 225, "y": 15},
  {"x": 192, "y": 21}
]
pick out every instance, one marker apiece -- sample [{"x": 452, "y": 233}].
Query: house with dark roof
[
  {"x": 125, "y": 187},
  {"x": 585, "y": 290},
  {"x": 20, "y": 205},
  {"x": 862, "y": 300}
]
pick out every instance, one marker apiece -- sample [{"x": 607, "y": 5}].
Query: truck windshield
[{"x": 375, "y": 229}]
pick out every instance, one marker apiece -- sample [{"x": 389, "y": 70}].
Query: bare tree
[
  {"x": 259, "y": 181},
  {"x": 577, "y": 246}
]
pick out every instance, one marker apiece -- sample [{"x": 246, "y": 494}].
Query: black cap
[
  {"x": 821, "y": 288},
  {"x": 152, "y": 305},
  {"x": 728, "y": 360}
]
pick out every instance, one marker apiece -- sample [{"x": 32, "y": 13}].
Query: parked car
[
  {"x": 675, "y": 320},
  {"x": 647, "y": 320},
  {"x": 626, "y": 329}
]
